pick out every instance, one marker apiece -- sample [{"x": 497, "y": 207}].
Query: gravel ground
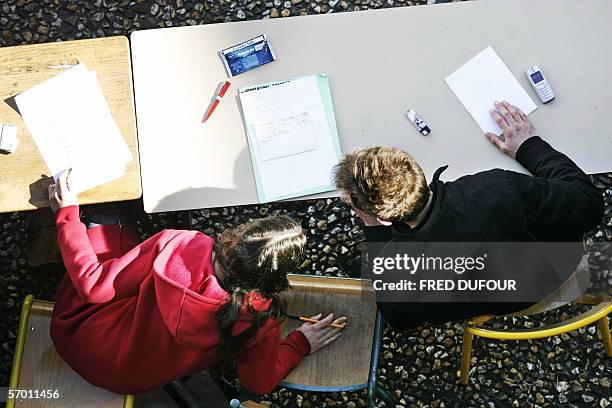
[{"x": 420, "y": 366}]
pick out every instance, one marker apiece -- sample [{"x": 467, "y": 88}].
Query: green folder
[{"x": 323, "y": 83}]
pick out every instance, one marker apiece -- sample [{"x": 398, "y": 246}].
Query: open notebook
[{"x": 292, "y": 136}]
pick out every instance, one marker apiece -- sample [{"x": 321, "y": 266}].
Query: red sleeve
[
  {"x": 95, "y": 282},
  {"x": 273, "y": 356}
]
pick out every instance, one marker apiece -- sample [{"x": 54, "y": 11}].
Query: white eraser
[{"x": 8, "y": 138}]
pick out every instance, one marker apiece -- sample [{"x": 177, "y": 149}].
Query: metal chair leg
[
  {"x": 466, "y": 357},
  {"x": 374, "y": 390},
  {"x": 128, "y": 401},
  {"x": 604, "y": 329},
  {"x": 384, "y": 395},
  {"x": 372, "y": 380}
]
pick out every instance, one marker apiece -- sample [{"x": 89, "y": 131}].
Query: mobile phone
[{"x": 540, "y": 84}]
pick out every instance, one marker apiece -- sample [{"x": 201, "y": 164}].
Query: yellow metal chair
[
  {"x": 598, "y": 313},
  {"x": 38, "y": 367}
]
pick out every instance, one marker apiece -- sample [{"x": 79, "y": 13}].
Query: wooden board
[
  {"x": 21, "y": 185},
  {"x": 43, "y": 369},
  {"x": 345, "y": 364},
  {"x": 374, "y": 79}
]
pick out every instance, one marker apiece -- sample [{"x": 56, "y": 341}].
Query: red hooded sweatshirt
[{"x": 131, "y": 318}]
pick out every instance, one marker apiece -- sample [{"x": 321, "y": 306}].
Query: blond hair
[{"x": 382, "y": 181}]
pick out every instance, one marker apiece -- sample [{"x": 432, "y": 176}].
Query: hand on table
[
  {"x": 516, "y": 127},
  {"x": 60, "y": 195},
  {"x": 320, "y": 334}
]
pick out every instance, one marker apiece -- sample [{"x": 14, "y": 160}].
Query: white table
[{"x": 380, "y": 63}]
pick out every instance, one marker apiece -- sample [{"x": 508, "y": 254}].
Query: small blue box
[{"x": 247, "y": 55}]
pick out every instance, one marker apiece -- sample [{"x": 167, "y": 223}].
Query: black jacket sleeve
[{"x": 561, "y": 202}]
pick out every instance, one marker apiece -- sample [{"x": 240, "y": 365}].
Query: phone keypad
[{"x": 546, "y": 94}]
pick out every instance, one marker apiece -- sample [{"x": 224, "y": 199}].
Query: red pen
[{"x": 214, "y": 104}]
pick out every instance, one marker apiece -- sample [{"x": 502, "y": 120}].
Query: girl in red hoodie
[{"x": 132, "y": 317}]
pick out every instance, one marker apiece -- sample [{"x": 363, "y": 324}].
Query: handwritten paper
[
  {"x": 71, "y": 123},
  {"x": 285, "y": 136},
  {"x": 483, "y": 80},
  {"x": 292, "y": 136}
]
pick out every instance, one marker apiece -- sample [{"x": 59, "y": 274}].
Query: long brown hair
[{"x": 255, "y": 259}]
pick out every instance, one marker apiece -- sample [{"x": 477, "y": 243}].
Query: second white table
[{"x": 380, "y": 64}]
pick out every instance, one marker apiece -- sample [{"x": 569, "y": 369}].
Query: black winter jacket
[{"x": 558, "y": 203}]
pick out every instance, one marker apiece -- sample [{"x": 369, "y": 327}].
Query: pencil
[
  {"x": 309, "y": 320},
  {"x": 68, "y": 175}
]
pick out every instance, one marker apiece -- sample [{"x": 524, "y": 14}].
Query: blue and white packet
[{"x": 247, "y": 55}]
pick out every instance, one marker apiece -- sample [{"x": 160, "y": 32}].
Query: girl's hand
[
  {"x": 60, "y": 195},
  {"x": 321, "y": 334}
]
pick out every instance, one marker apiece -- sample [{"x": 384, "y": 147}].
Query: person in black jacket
[{"x": 388, "y": 191}]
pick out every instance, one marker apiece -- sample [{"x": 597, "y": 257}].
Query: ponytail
[
  {"x": 255, "y": 258},
  {"x": 232, "y": 311}
]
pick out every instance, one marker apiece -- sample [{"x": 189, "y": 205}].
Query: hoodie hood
[{"x": 188, "y": 292}]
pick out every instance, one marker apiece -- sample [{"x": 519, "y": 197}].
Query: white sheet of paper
[
  {"x": 483, "y": 80},
  {"x": 71, "y": 123},
  {"x": 290, "y": 138},
  {"x": 285, "y": 136},
  {"x": 86, "y": 177}
]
